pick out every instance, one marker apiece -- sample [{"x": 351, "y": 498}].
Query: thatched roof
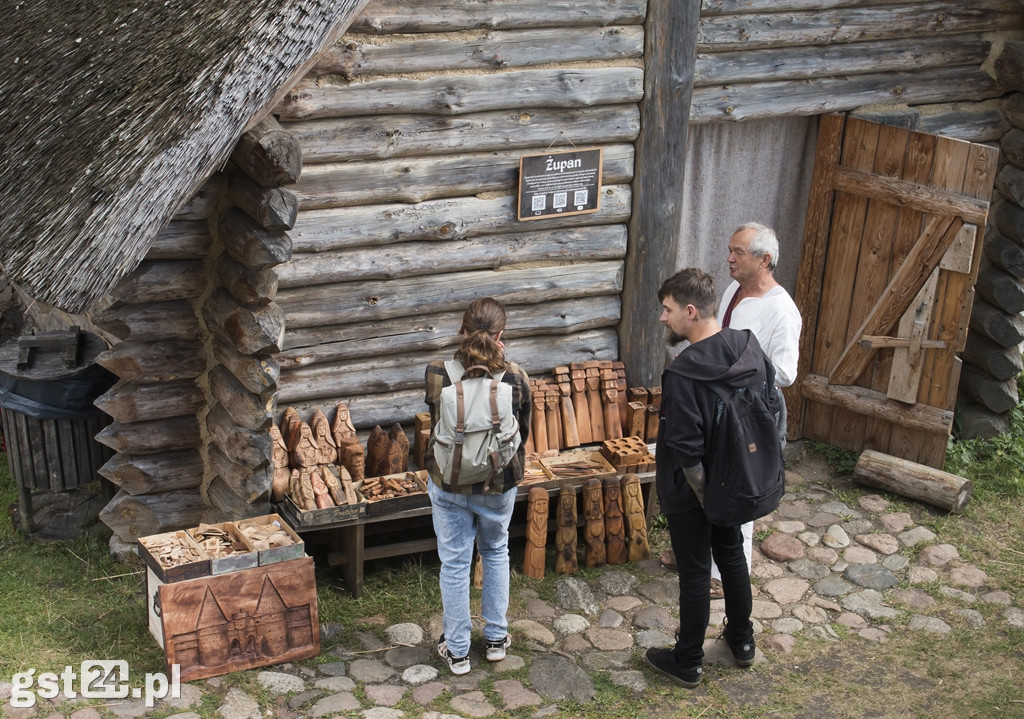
[{"x": 114, "y": 113}]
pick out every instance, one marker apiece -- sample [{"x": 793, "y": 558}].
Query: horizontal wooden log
[
  {"x": 728, "y": 7},
  {"x": 250, "y": 243},
  {"x": 1012, "y": 146},
  {"x": 393, "y": 373},
  {"x": 163, "y": 361},
  {"x": 836, "y": 94},
  {"x": 973, "y": 420},
  {"x": 1010, "y": 183},
  {"x": 858, "y": 58},
  {"x": 382, "y": 299},
  {"x": 380, "y": 137},
  {"x": 160, "y": 280},
  {"x": 1000, "y": 289},
  {"x": 151, "y": 437},
  {"x": 1009, "y": 219},
  {"x": 172, "y": 320},
  {"x": 181, "y": 240},
  {"x": 971, "y": 122},
  {"x": 268, "y": 154},
  {"x": 315, "y": 345},
  {"x": 912, "y": 195},
  {"x": 998, "y": 395},
  {"x": 357, "y": 56},
  {"x": 752, "y": 30},
  {"x": 1000, "y": 362},
  {"x": 131, "y": 517},
  {"x": 140, "y": 402},
  {"x": 909, "y": 479},
  {"x": 149, "y": 473},
  {"x": 257, "y": 373},
  {"x": 249, "y": 287},
  {"x": 247, "y": 409},
  {"x": 476, "y": 253},
  {"x": 460, "y": 94},
  {"x": 875, "y": 404},
  {"x": 205, "y": 202},
  {"x": 251, "y": 329},
  {"x": 384, "y": 16},
  {"x": 1004, "y": 329},
  {"x": 1009, "y": 64},
  {"x": 230, "y": 506},
  {"x": 274, "y": 208},
  {"x": 446, "y": 219},
  {"x": 1013, "y": 106},
  {"x": 248, "y": 483},
  {"x": 1005, "y": 254},
  {"x": 426, "y": 178},
  {"x": 241, "y": 445}
]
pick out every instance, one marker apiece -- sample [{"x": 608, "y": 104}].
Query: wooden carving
[
  {"x": 377, "y": 447},
  {"x": 636, "y": 419},
  {"x": 653, "y": 421},
  {"x": 580, "y": 403},
  {"x": 570, "y": 433},
  {"x": 333, "y": 483},
  {"x": 610, "y": 396},
  {"x": 300, "y": 489},
  {"x": 636, "y": 519},
  {"x": 327, "y": 447},
  {"x": 321, "y": 495},
  {"x": 282, "y": 474},
  {"x": 565, "y": 534},
  {"x": 593, "y": 524},
  {"x": 614, "y": 526},
  {"x": 594, "y": 403},
  {"x": 290, "y": 423},
  {"x": 539, "y": 430},
  {"x": 553, "y": 419},
  {"x": 536, "y": 533},
  {"x": 398, "y": 450},
  {"x": 620, "y": 384},
  {"x": 351, "y": 453},
  {"x": 306, "y": 451}
]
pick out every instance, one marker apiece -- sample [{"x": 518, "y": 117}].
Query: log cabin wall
[{"x": 411, "y": 131}]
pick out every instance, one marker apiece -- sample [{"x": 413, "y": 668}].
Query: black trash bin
[{"x": 48, "y": 383}]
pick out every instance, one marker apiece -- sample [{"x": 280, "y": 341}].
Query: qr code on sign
[
  {"x": 537, "y": 203},
  {"x": 579, "y": 197}
]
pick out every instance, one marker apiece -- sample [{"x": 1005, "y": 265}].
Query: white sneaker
[
  {"x": 496, "y": 650},
  {"x": 458, "y": 665}
]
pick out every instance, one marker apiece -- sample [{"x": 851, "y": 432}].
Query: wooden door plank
[
  {"x": 859, "y": 143},
  {"x": 907, "y": 362},
  {"x": 900, "y": 292},
  {"x": 811, "y": 270},
  {"x": 910, "y": 194},
  {"x": 848, "y": 428}
]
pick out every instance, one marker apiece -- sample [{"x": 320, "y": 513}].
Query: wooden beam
[
  {"x": 910, "y": 194},
  {"x": 671, "y": 41},
  {"x": 875, "y": 404}
]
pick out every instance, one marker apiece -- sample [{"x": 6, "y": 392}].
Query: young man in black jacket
[{"x": 727, "y": 356}]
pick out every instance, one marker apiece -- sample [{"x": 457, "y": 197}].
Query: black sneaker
[
  {"x": 458, "y": 665},
  {"x": 664, "y": 662},
  {"x": 743, "y": 653},
  {"x": 496, "y": 650}
]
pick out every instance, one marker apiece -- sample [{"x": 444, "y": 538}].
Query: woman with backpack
[{"x": 469, "y": 501}]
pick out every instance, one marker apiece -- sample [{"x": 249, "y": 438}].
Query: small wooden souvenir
[
  {"x": 570, "y": 434},
  {"x": 610, "y": 397},
  {"x": 594, "y": 403},
  {"x": 300, "y": 489},
  {"x": 536, "y": 533},
  {"x": 654, "y": 396},
  {"x": 636, "y": 420},
  {"x": 539, "y": 430},
  {"x": 653, "y": 420},
  {"x": 351, "y": 454},
  {"x": 593, "y": 524},
  {"x": 578, "y": 379},
  {"x": 290, "y": 428},
  {"x": 306, "y": 451},
  {"x": 619, "y": 368},
  {"x": 282, "y": 473},
  {"x": 638, "y": 394},
  {"x": 327, "y": 447},
  {"x": 565, "y": 535},
  {"x": 398, "y": 450},
  {"x": 421, "y": 438},
  {"x": 553, "y": 419},
  {"x": 333, "y": 483},
  {"x": 377, "y": 448},
  {"x": 636, "y": 519},
  {"x": 614, "y": 526}
]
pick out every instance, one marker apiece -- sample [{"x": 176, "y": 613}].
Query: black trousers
[{"x": 694, "y": 541}]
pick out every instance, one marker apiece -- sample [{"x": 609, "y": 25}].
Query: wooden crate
[
  {"x": 563, "y": 466},
  {"x": 176, "y": 573},
  {"x": 246, "y": 558},
  {"x": 281, "y": 553},
  {"x": 376, "y": 507},
  {"x": 241, "y": 620},
  {"x": 311, "y": 518}
]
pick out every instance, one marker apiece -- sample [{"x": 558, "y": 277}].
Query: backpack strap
[{"x": 460, "y": 431}]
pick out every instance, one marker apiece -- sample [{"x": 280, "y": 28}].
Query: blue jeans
[{"x": 459, "y": 519}]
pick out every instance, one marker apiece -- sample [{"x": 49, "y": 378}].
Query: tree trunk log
[
  {"x": 257, "y": 373},
  {"x": 252, "y": 329},
  {"x": 268, "y": 154},
  {"x": 150, "y": 473},
  {"x": 154, "y": 361},
  {"x": 1009, "y": 65},
  {"x": 875, "y": 404},
  {"x": 275, "y": 208},
  {"x": 131, "y": 517},
  {"x": 181, "y": 240},
  {"x": 250, "y": 484},
  {"x": 1009, "y": 218},
  {"x": 249, "y": 287},
  {"x": 998, "y": 395},
  {"x": 141, "y": 402},
  {"x": 247, "y": 409},
  {"x": 158, "y": 281},
  {"x": 1000, "y": 362},
  {"x": 916, "y": 481},
  {"x": 240, "y": 445},
  {"x": 251, "y": 244},
  {"x": 1005, "y": 254},
  {"x": 232, "y": 507},
  {"x": 1001, "y": 289},
  {"x": 152, "y": 437},
  {"x": 1012, "y": 145},
  {"x": 150, "y": 322}
]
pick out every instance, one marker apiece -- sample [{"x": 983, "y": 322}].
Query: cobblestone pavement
[{"x": 818, "y": 562}]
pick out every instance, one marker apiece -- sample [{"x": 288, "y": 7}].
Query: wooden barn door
[{"x": 892, "y": 242}]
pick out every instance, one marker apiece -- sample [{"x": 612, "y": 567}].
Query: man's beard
[{"x": 672, "y": 339}]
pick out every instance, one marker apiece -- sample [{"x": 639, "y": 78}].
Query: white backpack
[{"x": 477, "y": 433}]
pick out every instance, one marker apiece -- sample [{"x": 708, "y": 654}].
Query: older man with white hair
[{"x": 755, "y": 301}]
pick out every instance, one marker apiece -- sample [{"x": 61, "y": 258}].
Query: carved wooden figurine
[
  {"x": 620, "y": 384},
  {"x": 333, "y": 483},
  {"x": 306, "y": 452},
  {"x": 377, "y": 447},
  {"x": 351, "y": 454},
  {"x": 539, "y": 428},
  {"x": 653, "y": 421},
  {"x": 321, "y": 494},
  {"x": 282, "y": 474},
  {"x": 554, "y": 421},
  {"x": 614, "y": 526},
  {"x": 326, "y": 446},
  {"x": 636, "y": 419},
  {"x": 594, "y": 403},
  {"x": 636, "y": 519},
  {"x": 570, "y": 432},
  {"x": 290, "y": 428},
  {"x": 300, "y": 489},
  {"x": 536, "y": 532},
  {"x": 565, "y": 534},
  {"x": 398, "y": 450},
  {"x": 593, "y": 524},
  {"x": 610, "y": 396}
]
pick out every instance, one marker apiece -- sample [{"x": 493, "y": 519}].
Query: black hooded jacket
[{"x": 732, "y": 357}]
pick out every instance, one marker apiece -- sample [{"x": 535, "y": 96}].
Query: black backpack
[{"x": 745, "y": 475}]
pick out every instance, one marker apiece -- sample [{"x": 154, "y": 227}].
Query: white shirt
[{"x": 775, "y": 321}]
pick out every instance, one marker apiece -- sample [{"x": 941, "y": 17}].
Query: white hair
[{"x": 764, "y": 242}]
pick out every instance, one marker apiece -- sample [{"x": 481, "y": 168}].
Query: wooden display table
[{"x": 347, "y": 548}]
